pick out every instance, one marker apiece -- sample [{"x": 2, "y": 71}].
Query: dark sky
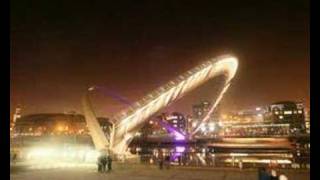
[{"x": 58, "y": 49}]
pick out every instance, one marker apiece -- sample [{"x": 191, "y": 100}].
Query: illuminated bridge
[{"x": 128, "y": 122}]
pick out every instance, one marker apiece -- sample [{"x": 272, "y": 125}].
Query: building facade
[
  {"x": 287, "y": 112},
  {"x": 55, "y": 124}
]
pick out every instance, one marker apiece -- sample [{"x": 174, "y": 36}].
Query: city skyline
[{"x": 54, "y": 60}]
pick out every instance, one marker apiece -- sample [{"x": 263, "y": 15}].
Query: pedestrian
[
  {"x": 274, "y": 175},
  {"x": 263, "y": 174},
  {"x": 167, "y": 161},
  {"x": 99, "y": 163},
  {"x": 240, "y": 164},
  {"x": 103, "y": 163},
  {"x": 283, "y": 177},
  {"x": 160, "y": 160},
  {"x": 184, "y": 159},
  {"x": 160, "y": 163},
  {"x": 14, "y": 158},
  {"x": 109, "y": 160}
]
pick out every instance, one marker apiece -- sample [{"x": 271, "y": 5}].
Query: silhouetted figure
[
  {"x": 14, "y": 158},
  {"x": 103, "y": 163},
  {"x": 99, "y": 162},
  {"x": 161, "y": 163},
  {"x": 160, "y": 160},
  {"x": 184, "y": 159},
  {"x": 109, "y": 160},
  {"x": 263, "y": 174},
  {"x": 167, "y": 161},
  {"x": 208, "y": 159}
]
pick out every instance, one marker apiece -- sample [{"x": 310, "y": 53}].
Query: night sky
[{"x": 58, "y": 49}]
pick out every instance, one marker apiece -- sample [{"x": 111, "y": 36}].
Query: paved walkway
[{"x": 142, "y": 172}]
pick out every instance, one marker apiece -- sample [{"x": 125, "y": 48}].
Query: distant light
[
  {"x": 224, "y": 116},
  {"x": 91, "y": 88},
  {"x": 60, "y": 128},
  {"x": 180, "y": 149},
  {"x": 287, "y": 112},
  {"x": 194, "y": 124},
  {"x": 258, "y": 108},
  {"x": 238, "y": 154},
  {"x": 178, "y": 136}
]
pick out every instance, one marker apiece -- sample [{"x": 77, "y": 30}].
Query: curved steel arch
[{"x": 131, "y": 120}]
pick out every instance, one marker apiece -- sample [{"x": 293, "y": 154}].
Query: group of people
[
  {"x": 103, "y": 162},
  {"x": 272, "y": 175}
]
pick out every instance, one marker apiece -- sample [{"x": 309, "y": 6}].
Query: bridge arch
[{"x": 129, "y": 121}]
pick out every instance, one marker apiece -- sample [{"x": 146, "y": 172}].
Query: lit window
[
  {"x": 300, "y": 111},
  {"x": 280, "y": 117},
  {"x": 287, "y": 112},
  {"x": 277, "y": 112}
]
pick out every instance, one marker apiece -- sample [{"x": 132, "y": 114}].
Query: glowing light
[
  {"x": 224, "y": 116},
  {"x": 287, "y": 112},
  {"x": 194, "y": 124},
  {"x": 180, "y": 149},
  {"x": 52, "y": 154},
  {"x": 60, "y": 128},
  {"x": 203, "y": 127},
  {"x": 238, "y": 154},
  {"x": 91, "y": 88},
  {"x": 178, "y": 136}
]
